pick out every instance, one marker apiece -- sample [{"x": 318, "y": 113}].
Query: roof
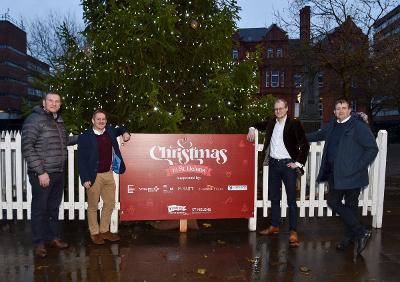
[
  {"x": 256, "y": 34},
  {"x": 252, "y": 34},
  {"x": 393, "y": 12}
]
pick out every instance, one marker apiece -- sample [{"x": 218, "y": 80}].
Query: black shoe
[
  {"x": 344, "y": 244},
  {"x": 362, "y": 241}
]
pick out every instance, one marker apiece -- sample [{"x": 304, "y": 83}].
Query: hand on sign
[
  {"x": 251, "y": 135},
  {"x": 125, "y": 138}
]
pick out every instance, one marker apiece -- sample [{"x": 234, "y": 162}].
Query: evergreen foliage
[{"x": 160, "y": 66}]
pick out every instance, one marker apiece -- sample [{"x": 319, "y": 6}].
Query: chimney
[{"x": 305, "y": 13}]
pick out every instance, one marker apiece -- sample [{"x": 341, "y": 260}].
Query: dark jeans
[
  {"x": 347, "y": 211},
  {"x": 45, "y": 206},
  {"x": 278, "y": 172}
]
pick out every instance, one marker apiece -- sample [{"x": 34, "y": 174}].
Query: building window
[
  {"x": 320, "y": 79},
  {"x": 298, "y": 80},
  {"x": 235, "y": 54},
  {"x": 321, "y": 107},
  {"x": 279, "y": 53},
  {"x": 270, "y": 53},
  {"x": 37, "y": 68},
  {"x": 274, "y": 78},
  {"x": 35, "y": 92}
]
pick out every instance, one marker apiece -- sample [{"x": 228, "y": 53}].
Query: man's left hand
[{"x": 126, "y": 137}]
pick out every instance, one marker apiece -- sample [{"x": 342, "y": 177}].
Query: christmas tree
[{"x": 160, "y": 66}]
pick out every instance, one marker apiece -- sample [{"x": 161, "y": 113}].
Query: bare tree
[
  {"x": 342, "y": 45},
  {"x": 328, "y": 14},
  {"x": 46, "y": 42}
]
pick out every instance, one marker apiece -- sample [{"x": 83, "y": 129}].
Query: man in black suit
[{"x": 286, "y": 150}]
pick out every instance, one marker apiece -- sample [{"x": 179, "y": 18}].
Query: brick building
[
  {"x": 387, "y": 26},
  {"x": 387, "y": 48},
  {"x": 18, "y": 74},
  {"x": 282, "y": 65}
]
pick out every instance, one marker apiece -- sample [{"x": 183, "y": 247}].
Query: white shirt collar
[
  {"x": 343, "y": 121},
  {"x": 98, "y": 132},
  {"x": 282, "y": 120}
]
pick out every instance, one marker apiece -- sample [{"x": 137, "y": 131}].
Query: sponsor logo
[
  {"x": 175, "y": 209},
  {"x": 186, "y": 188},
  {"x": 167, "y": 189},
  {"x": 185, "y": 152},
  {"x": 201, "y": 210},
  {"x": 149, "y": 189},
  {"x": 237, "y": 187},
  {"x": 210, "y": 188},
  {"x": 130, "y": 189}
]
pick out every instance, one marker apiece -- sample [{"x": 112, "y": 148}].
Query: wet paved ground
[{"x": 225, "y": 251}]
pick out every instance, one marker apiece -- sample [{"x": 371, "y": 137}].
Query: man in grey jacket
[
  {"x": 349, "y": 148},
  {"x": 44, "y": 147}
]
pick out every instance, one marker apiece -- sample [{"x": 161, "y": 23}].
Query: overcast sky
[{"x": 254, "y": 13}]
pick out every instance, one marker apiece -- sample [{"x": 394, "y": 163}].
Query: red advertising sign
[{"x": 187, "y": 176}]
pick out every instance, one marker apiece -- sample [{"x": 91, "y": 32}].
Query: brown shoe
[
  {"x": 270, "y": 231},
  {"x": 58, "y": 244},
  {"x": 40, "y": 251},
  {"x": 293, "y": 239},
  {"x": 113, "y": 237},
  {"x": 97, "y": 239}
]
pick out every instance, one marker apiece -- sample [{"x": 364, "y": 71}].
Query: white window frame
[
  {"x": 300, "y": 80},
  {"x": 267, "y": 78},
  {"x": 275, "y": 75},
  {"x": 320, "y": 79},
  {"x": 235, "y": 54},
  {"x": 270, "y": 52}
]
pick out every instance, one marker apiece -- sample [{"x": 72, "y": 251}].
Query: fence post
[
  {"x": 18, "y": 175},
  {"x": 115, "y": 212},
  {"x": 8, "y": 176},
  {"x": 71, "y": 182},
  {"x": 253, "y": 220},
  {"x": 381, "y": 159}
]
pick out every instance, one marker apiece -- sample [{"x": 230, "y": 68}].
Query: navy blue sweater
[{"x": 337, "y": 132}]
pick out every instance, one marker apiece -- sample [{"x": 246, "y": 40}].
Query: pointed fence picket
[
  {"x": 312, "y": 195},
  {"x": 16, "y": 196}
]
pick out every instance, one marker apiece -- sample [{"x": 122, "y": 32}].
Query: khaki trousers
[{"x": 104, "y": 187}]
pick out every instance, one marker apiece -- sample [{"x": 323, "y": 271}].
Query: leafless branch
[{"x": 45, "y": 41}]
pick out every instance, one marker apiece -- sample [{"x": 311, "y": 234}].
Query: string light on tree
[{"x": 150, "y": 70}]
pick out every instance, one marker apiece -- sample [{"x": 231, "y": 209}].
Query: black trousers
[
  {"x": 278, "y": 172},
  {"x": 348, "y": 211},
  {"x": 45, "y": 206}
]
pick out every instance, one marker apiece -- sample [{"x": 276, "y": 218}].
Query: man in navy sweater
[
  {"x": 349, "y": 148},
  {"x": 98, "y": 157}
]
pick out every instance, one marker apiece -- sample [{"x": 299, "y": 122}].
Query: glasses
[{"x": 279, "y": 109}]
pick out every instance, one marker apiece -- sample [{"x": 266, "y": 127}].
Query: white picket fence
[
  {"x": 312, "y": 200},
  {"x": 15, "y": 190}
]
